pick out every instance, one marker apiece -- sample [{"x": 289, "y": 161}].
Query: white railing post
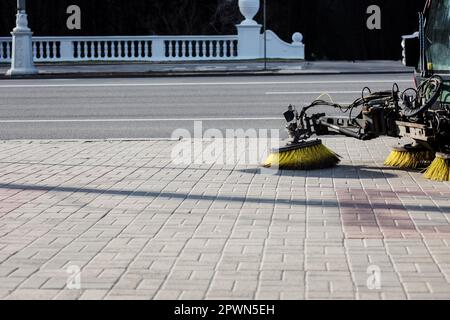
[
  {"x": 249, "y": 32},
  {"x": 22, "y": 52},
  {"x": 183, "y": 49},
  {"x": 159, "y": 49},
  {"x": 66, "y": 50},
  {"x": 197, "y": 49},
  {"x": 125, "y": 50},
  {"x": 140, "y": 56},
  {"x": 146, "y": 50}
]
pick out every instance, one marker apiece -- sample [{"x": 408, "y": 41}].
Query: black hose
[{"x": 435, "y": 81}]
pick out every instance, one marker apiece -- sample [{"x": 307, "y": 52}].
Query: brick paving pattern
[{"x": 140, "y": 227}]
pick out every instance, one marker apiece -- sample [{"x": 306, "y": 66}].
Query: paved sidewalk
[
  {"x": 294, "y": 67},
  {"x": 139, "y": 226}
]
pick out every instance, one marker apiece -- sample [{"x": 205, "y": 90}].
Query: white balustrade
[
  {"x": 200, "y": 48},
  {"x": 151, "y": 48}
]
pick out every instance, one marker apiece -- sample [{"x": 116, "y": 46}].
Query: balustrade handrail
[{"x": 103, "y": 38}]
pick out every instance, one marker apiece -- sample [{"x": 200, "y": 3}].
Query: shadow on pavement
[
  {"x": 339, "y": 172},
  {"x": 168, "y": 195}
]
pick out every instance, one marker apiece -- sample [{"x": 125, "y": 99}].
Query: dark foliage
[{"x": 333, "y": 29}]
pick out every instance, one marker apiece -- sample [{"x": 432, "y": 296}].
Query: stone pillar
[
  {"x": 22, "y": 50},
  {"x": 249, "y": 31}
]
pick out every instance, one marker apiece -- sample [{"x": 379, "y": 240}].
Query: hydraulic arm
[{"x": 413, "y": 113}]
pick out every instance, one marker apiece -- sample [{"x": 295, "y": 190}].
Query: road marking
[
  {"x": 136, "y": 120},
  {"x": 312, "y": 92},
  {"x": 187, "y": 84}
]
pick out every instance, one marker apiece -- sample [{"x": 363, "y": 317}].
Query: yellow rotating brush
[
  {"x": 439, "y": 170},
  {"x": 409, "y": 157},
  {"x": 303, "y": 156}
]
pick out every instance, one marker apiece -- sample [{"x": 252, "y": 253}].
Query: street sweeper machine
[{"x": 421, "y": 113}]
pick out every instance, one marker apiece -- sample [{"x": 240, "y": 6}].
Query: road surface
[{"x": 156, "y": 107}]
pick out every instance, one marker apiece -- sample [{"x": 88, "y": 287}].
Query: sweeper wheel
[
  {"x": 439, "y": 170},
  {"x": 308, "y": 155},
  {"x": 410, "y": 157}
]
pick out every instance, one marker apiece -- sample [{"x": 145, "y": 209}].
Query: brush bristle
[
  {"x": 439, "y": 170},
  {"x": 307, "y": 158},
  {"x": 409, "y": 159}
]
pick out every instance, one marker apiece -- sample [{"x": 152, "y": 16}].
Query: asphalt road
[{"x": 156, "y": 107}]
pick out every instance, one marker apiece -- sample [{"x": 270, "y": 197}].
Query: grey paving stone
[{"x": 142, "y": 227}]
